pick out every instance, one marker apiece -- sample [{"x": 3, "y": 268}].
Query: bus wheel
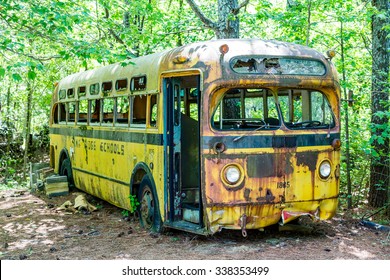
[
  {"x": 148, "y": 209},
  {"x": 66, "y": 170}
]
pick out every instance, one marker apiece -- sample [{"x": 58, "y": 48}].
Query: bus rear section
[{"x": 272, "y": 156}]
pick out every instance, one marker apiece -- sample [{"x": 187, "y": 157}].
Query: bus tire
[
  {"x": 66, "y": 170},
  {"x": 148, "y": 211}
]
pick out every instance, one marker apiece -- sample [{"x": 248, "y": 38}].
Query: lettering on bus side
[
  {"x": 105, "y": 147},
  {"x": 88, "y": 144},
  {"x": 112, "y": 148}
]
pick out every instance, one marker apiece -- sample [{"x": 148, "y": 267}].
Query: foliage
[
  {"x": 133, "y": 206},
  {"x": 43, "y": 41},
  {"x": 133, "y": 203}
]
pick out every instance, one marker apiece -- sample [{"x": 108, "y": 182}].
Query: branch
[
  {"x": 207, "y": 22},
  {"x": 37, "y": 58},
  {"x": 242, "y": 5},
  {"x": 115, "y": 35},
  {"x": 367, "y": 43}
]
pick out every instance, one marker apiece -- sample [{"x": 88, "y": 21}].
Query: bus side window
[
  {"x": 107, "y": 87},
  {"x": 71, "y": 112},
  {"x": 108, "y": 110},
  {"x": 191, "y": 100},
  {"x": 139, "y": 111},
  {"x": 153, "y": 110},
  {"x": 83, "y": 111},
  {"x": 57, "y": 108},
  {"x": 194, "y": 111},
  {"x": 55, "y": 112},
  {"x": 94, "y": 109},
  {"x": 62, "y": 112},
  {"x": 122, "y": 110}
]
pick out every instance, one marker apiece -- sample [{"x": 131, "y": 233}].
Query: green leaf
[
  {"x": 2, "y": 72},
  {"x": 17, "y": 77},
  {"x": 31, "y": 75}
]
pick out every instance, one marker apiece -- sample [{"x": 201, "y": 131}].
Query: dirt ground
[{"x": 32, "y": 228}]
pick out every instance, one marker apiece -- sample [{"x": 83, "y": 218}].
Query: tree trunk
[
  {"x": 228, "y": 25},
  {"x": 308, "y": 23},
  {"x": 27, "y": 127},
  {"x": 380, "y": 165},
  {"x": 179, "y": 40},
  {"x": 138, "y": 21},
  {"x": 8, "y": 122},
  {"x": 345, "y": 105},
  {"x": 228, "y": 22}
]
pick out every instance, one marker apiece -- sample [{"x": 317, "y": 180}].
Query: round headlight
[
  {"x": 232, "y": 174},
  {"x": 325, "y": 169}
]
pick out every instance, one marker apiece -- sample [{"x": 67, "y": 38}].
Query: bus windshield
[
  {"x": 302, "y": 109},
  {"x": 256, "y": 109},
  {"x": 247, "y": 109}
]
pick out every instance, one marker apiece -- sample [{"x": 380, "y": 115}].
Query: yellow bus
[{"x": 225, "y": 134}]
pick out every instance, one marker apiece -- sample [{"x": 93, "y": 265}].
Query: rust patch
[
  {"x": 268, "y": 198},
  {"x": 308, "y": 159},
  {"x": 246, "y": 194},
  {"x": 269, "y": 165}
]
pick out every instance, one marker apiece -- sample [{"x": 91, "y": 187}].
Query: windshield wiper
[{"x": 249, "y": 132}]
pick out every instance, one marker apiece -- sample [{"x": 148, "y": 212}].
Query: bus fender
[
  {"x": 63, "y": 155},
  {"x": 65, "y": 167},
  {"x": 140, "y": 170}
]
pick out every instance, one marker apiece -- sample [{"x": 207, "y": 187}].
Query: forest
[{"x": 45, "y": 40}]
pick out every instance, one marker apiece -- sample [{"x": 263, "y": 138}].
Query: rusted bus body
[
  {"x": 105, "y": 158},
  {"x": 246, "y": 135}
]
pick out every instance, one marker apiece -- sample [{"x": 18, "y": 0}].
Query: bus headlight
[
  {"x": 232, "y": 175},
  {"x": 325, "y": 169}
]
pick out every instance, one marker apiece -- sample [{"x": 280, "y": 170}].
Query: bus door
[{"x": 182, "y": 163}]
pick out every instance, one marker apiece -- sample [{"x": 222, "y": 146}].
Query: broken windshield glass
[{"x": 277, "y": 66}]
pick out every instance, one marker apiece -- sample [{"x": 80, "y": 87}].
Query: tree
[
  {"x": 380, "y": 164},
  {"x": 228, "y": 22}
]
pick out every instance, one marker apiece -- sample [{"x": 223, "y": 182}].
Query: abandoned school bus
[{"x": 225, "y": 134}]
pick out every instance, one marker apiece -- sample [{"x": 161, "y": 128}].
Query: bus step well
[
  {"x": 187, "y": 226},
  {"x": 191, "y": 214}
]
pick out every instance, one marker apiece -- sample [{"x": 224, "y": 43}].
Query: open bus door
[{"x": 181, "y": 145}]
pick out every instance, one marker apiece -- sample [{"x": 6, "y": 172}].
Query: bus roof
[{"x": 201, "y": 55}]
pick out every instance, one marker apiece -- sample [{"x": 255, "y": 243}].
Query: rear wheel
[
  {"x": 148, "y": 209},
  {"x": 66, "y": 170}
]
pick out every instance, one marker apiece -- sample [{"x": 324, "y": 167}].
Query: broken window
[
  {"x": 56, "y": 112},
  {"x": 122, "y": 110},
  {"x": 62, "y": 112},
  {"x": 277, "y": 66},
  {"x": 108, "y": 110},
  {"x": 94, "y": 89},
  {"x": 138, "y": 83},
  {"x": 71, "y": 112},
  {"x": 139, "y": 111},
  {"x": 153, "y": 110},
  {"x": 83, "y": 111},
  {"x": 246, "y": 109},
  {"x": 62, "y": 94},
  {"x": 121, "y": 85},
  {"x": 70, "y": 93},
  {"x": 107, "y": 87},
  {"x": 82, "y": 91},
  {"x": 94, "y": 109}
]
